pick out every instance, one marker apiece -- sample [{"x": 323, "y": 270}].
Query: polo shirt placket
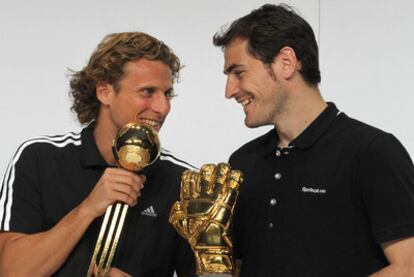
[{"x": 276, "y": 204}]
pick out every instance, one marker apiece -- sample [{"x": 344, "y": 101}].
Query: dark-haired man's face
[{"x": 250, "y": 83}]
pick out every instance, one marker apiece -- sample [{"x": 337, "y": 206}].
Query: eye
[
  {"x": 148, "y": 91},
  {"x": 239, "y": 74},
  {"x": 170, "y": 94}
]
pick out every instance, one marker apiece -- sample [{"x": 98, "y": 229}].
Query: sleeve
[
  {"x": 237, "y": 222},
  {"x": 388, "y": 189},
  {"x": 184, "y": 258},
  {"x": 20, "y": 198}
]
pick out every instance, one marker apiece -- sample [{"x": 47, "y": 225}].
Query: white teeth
[
  {"x": 245, "y": 102},
  {"x": 152, "y": 123}
]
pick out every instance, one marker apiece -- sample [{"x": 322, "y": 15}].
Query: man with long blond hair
[{"x": 56, "y": 188}]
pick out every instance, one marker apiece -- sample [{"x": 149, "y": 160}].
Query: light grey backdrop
[
  {"x": 40, "y": 40},
  {"x": 365, "y": 50}
]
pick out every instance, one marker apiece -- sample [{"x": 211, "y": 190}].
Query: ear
[
  {"x": 104, "y": 92},
  {"x": 286, "y": 63}
]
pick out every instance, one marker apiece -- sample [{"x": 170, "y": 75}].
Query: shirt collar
[
  {"x": 271, "y": 142},
  {"x": 90, "y": 155},
  {"x": 310, "y": 135}
]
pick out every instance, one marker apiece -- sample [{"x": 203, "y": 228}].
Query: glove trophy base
[{"x": 213, "y": 262}]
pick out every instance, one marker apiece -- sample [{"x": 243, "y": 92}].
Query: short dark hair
[
  {"x": 270, "y": 28},
  {"x": 107, "y": 64}
]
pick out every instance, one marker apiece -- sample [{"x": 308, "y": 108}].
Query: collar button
[{"x": 278, "y": 176}]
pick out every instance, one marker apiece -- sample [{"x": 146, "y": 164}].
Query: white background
[{"x": 366, "y": 57}]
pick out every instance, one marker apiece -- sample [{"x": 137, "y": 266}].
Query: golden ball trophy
[{"x": 134, "y": 147}]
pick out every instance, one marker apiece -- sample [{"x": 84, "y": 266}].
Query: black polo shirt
[
  {"x": 49, "y": 176},
  {"x": 323, "y": 205}
]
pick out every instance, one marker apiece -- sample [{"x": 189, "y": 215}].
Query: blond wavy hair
[{"x": 107, "y": 64}]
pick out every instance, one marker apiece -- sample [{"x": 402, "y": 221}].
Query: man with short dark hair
[
  {"x": 57, "y": 188},
  {"x": 324, "y": 194}
]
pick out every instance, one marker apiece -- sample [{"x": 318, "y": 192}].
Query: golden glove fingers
[{"x": 178, "y": 220}]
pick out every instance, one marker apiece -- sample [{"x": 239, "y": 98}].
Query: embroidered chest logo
[
  {"x": 314, "y": 190},
  {"x": 149, "y": 212}
]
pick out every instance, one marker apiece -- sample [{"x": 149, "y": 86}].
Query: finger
[
  {"x": 222, "y": 172},
  {"x": 233, "y": 182},
  {"x": 119, "y": 172},
  {"x": 114, "y": 272},
  {"x": 94, "y": 269},
  {"x": 207, "y": 173},
  {"x": 124, "y": 198},
  {"x": 235, "y": 179},
  {"x": 195, "y": 188},
  {"x": 178, "y": 220},
  {"x": 185, "y": 185},
  {"x": 134, "y": 181},
  {"x": 143, "y": 180},
  {"x": 128, "y": 191}
]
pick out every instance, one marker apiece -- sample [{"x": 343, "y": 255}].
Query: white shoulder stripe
[
  {"x": 186, "y": 165},
  {"x": 165, "y": 151},
  {"x": 8, "y": 177},
  {"x": 167, "y": 156}
]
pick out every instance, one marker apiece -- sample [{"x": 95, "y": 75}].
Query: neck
[
  {"x": 304, "y": 106},
  {"x": 104, "y": 134}
]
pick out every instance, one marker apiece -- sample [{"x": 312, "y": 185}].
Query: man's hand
[
  {"x": 400, "y": 255},
  {"x": 204, "y": 214},
  {"x": 114, "y": 272},
  {"x": 115, "y": 184}
]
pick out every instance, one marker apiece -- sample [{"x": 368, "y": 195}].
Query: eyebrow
[
  {"x": 147, "y": 87},
  {"x": 230, "y": 68},
  {"x": 155, "y": 88}
]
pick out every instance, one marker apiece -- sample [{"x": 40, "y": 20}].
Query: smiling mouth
[
  {"x": 246, "y": 102},
  {"x": 156, "y": 124}
]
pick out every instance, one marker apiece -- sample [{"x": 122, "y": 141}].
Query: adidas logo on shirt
[{"x": 149, "y": 211}]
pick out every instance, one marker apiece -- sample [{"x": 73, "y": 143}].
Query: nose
[
  {"x": 160, "y": 104},
  {"x": 232, "y": 87}
]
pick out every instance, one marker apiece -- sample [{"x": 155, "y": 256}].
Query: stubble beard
[{"x": 271, "y": 109}]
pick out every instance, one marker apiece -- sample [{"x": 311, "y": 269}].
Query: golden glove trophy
[
  {"x": 134, "y": 147},
  {"x": 204, "y": 213}
]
